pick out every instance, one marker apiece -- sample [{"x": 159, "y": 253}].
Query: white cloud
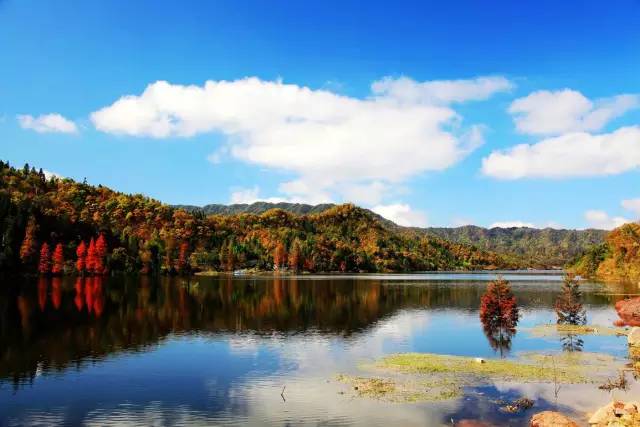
[
  {"x": 333, "y": 143},
  {"x": 572, "y": 155},
  {"x": 602, "y": 220},
  {"x": 49, "y": 174},
  {"x": 553, "y": 113},
  {"x": 402, "y": 214},
  {"x": 632, "y": 205},
  {"x": 252, "y": 195},
  {"x": 47, "y": 123},
  {"x": 408, "y": 90},
  {"x": 512, "y": 224}
]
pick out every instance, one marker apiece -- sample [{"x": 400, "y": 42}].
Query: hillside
[
  {"x": 256, "y": 208},
  {"x": 529, "y": 246},
  {"x": 526, "y": 247},
  {"x": 146, "y": 235},
  {"x": 615, "y": 260}
]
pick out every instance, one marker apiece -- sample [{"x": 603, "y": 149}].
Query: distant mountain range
[{"x": 533, "y": 247}]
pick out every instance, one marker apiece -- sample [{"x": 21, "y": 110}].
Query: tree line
[{"x": 60, "y": 226}]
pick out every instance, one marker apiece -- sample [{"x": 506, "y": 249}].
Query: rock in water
[
  {"x": 551, "y": 419},
  {"x": 616, "y": 414},
  {"x": 629, "y": 311}
]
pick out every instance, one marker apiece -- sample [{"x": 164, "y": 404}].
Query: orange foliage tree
[
  {"x": 100, "y": 254},
  {"x": 28, "y": 247},
  {"x": 279, "y": 256}
]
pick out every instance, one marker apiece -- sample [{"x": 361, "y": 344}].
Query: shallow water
[{"x": 220, "y": 350}]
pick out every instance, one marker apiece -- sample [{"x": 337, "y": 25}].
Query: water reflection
[{"x": 219, "y": 350}]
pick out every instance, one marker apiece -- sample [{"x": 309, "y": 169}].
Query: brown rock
[
  {"x": 616, "y": 413},
  {"x": 551, "y": 419},
  {"x": 629, "y": 311}
]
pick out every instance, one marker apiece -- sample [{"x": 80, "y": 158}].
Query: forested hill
[
  {"x": 533, "y": 247},
  {"x": 526, "y": 247},
  {"x": 134, "y": 233},
  {"x": 256, "y": 208},
  {"x": 615, "y": 260}
]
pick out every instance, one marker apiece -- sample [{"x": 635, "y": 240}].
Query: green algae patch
[
  {"x": 550, "y": 330},
  {"x": 584, "y": 360},
  {"x": 402, "y": 389},
  {"x": 495, "y": 369}
]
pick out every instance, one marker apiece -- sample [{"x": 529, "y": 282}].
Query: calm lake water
[{"x": 220, "y": 350}]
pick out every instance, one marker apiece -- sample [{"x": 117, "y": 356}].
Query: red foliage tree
[
  {"x": 499, "y": 314},
  {"x": 91, "y": 257},
  {"x": 58, "y": 260},
  {"x": 81, "y": 261},
  {"x": 100, "y": 254},
  {"x": 44, "y": 266}
]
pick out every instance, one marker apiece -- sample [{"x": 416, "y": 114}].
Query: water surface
[{"x": 220, "y": 350}]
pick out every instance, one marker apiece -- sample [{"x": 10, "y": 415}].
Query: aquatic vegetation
[
  {"x": 549, "y": 330},
  {"x": 425, "y": 363},
  {"x": 402, "y": 389}
]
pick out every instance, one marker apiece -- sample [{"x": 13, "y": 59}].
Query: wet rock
[
  {"x": 634, "y": 337},
  {"x": 629, "y": 311},
  {"x": 551, "y": 419},
  {"x": 617, "y": 413}
]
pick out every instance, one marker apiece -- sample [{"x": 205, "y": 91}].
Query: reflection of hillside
[{"x": 58, "y": 323}]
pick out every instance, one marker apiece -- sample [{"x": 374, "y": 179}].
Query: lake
[{"x": 221, "y": 350}]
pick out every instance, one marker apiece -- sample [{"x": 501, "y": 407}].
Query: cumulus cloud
[
  {"x": 47, "y": 123},
  {"x": 402, "y": 214},
  {"x": 49, "y": 174},
  {"x": 576, "y": 154},
  {"x": 632, "y": 205},
  {"x": 554, "y": 113},
  {"x": 602, "y": 220},
  {"x": 335, "y": 144},
  {"x": 512, "y": 224},
  {"x": 252, "y": 194},
  {"x": 441, "y": 91}
]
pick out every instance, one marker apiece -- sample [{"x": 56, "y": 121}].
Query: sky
[{"x": 494, "y": 113}]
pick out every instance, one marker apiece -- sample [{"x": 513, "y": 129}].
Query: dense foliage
[
  {"x": 618, "y": 259},
  {"x": 528, "y": 247},
  {"x": 523, "y": 246},
  {"x": 101, "y": 230}
]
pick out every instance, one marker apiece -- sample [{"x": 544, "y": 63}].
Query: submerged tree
[
  {"x": 499, "y": 315},
  {"x": 568, "y": 306},
  {"x": 570, "y": 311}
]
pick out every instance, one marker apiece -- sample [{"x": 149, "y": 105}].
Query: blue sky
[{"x": 414, "y": 109}]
